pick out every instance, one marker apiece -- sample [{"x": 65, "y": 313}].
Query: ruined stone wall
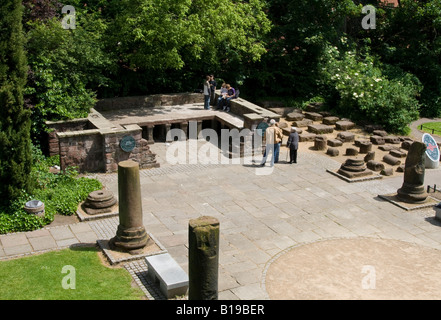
[
  {"x": 99, "y": 150},
  {"x": 114, "y": 154},
  {"x": 83, "y": 149},
  {"x": 151, "y": 101},
  {"x": 64, "y": 126}
]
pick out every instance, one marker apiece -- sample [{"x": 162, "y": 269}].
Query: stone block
[
  {"x": 307, "y": 137},
  {"x": 335, "y": 143},
  {"x": 370, "y": 128},
  {"x": 380, "y": 133},
  {"x": 344, "y": 125},
  {"x": 391, "y": 160},
  {"x": 320, "y": 128},
  {"x": 162, "y": 268},
  {"x": 392, "y": 139},
  {"x": 369, "y": 156},
  {"x": 351, "y": 152},
  {"x": 365, "y": 146},
  {"x": 333, "y": 152},
  {"x": 314, "y": 116},
  {"x": 398, "y": 153},
  {"x": 387, "y": 172},
  {"x": 295, "y": 116},
  {"x": 302, "y": 123},
  {"x": 375, "y": 165},
  {"x": 388, "y": 147},
  {"x": 320, "y": 142},
  {"x": 314, "y": 106},
  {"x": 378, "y": 140},
  {"x": 346, "y": 136},
  {"x": 330, "y": 120},
  {"x": 406, "y": 144}
]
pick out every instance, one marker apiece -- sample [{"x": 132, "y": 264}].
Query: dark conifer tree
[{"x": 15, "y": 123}]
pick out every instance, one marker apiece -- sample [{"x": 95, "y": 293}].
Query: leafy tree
[
  {"x": 15, "y": 143},
  {"x": 169, "y": 45},
  {"x": 301, "y": 31},
  {"x": 67, "y": 67},
  {"x": 366, "y": 90}
]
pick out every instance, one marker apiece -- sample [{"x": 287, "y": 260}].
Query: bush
[
  {"x": 363, "y": 89},
  {"x": 60, "y": 193}
]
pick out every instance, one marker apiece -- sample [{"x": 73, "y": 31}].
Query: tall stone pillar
[
  {"x": 131, "y": 235},
  {"x": 203, "y": 258}
]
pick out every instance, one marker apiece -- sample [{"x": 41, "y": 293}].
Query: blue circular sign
[
  {"x": 261, "y": 127},
  {"x": 127, "y": 143},
  {"x": 432, "y": 150}
]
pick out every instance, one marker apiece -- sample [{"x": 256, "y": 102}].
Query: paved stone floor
[{"x": 261, "y": 215}]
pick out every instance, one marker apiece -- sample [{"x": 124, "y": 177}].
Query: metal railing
[{"x": 433, "y": 130}]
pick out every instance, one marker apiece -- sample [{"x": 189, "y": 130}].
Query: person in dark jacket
[{"x": 293, "y": 145}]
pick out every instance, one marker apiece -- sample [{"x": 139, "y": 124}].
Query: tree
[
  {"x": 169, "y": 45},
  {"x": 15, "y": 143},
  {"x": 301, "y": 31},
  {"x": 67, "y": 66}
]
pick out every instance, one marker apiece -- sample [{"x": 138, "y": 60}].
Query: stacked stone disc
[
  {"x": 100, "y": 201},
  {"x": 354, "y": 168}
]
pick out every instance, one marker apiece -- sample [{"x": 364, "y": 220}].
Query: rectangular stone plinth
[
  {"x": 172, "y": 279},
  {"x": 351, "y": 180},
  {"x": 314, "y": 116},
  {"x": 392, "y": 198},
  {"x": 320, "y": 128},
  {"x": 307, "y": 137}
]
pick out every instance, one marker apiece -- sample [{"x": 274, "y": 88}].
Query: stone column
[
  {"x": 131, "y": 235},
  {"x": 203, "y": 258},
  {"x": 167, "y": 128},
  {"x": 184, "y": 128},
  {"x": 150, "y": 139},
  {"x": 412, "y": 190}
]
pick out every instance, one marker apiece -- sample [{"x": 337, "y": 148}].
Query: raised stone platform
[{"x": 393, "y": 198}]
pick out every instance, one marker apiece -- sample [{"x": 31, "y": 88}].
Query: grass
[
  {"x": 40, "y": 277},
  {"x": 428, "y": 126}
]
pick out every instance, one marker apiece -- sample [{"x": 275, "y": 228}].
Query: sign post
[{"x": 432, "y": 151}]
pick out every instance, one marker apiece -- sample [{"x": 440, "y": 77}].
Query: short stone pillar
[
  {"x": 365, "y": 146},
  {"x": 412, "y": 190},
  {"x": 203, "y": 258},
  {"x": 131, "y": 235},
  {"x": 320, "y": 142}
]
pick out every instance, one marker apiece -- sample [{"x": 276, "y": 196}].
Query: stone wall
[
  {"x": 83, "y": 149},
  {"x": 98, "y": 150},
  {"x": 151, "y": 101},
  {"x": 114, "y": 154},
  {"x": 64, "y": 126}
]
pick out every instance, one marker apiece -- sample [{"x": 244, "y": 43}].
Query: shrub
[
  {"x": 364, "y": 89},
  {"x": 60, "y": 193}
]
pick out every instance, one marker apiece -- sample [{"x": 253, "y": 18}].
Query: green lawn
[
  {"x": 428, "y": 126},
  {"x": 40, "y": 277}
]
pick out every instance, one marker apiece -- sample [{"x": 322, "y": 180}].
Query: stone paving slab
[{"x": 260, "y": 215}]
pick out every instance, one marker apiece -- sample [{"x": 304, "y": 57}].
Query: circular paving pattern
[{"x": 360, "y": 268}]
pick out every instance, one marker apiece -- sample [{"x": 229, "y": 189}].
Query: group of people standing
[
  {"x": 273, "y": 139},
  {"x": 226, "y": 95},
  {"x": 273, "y": 134}
]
